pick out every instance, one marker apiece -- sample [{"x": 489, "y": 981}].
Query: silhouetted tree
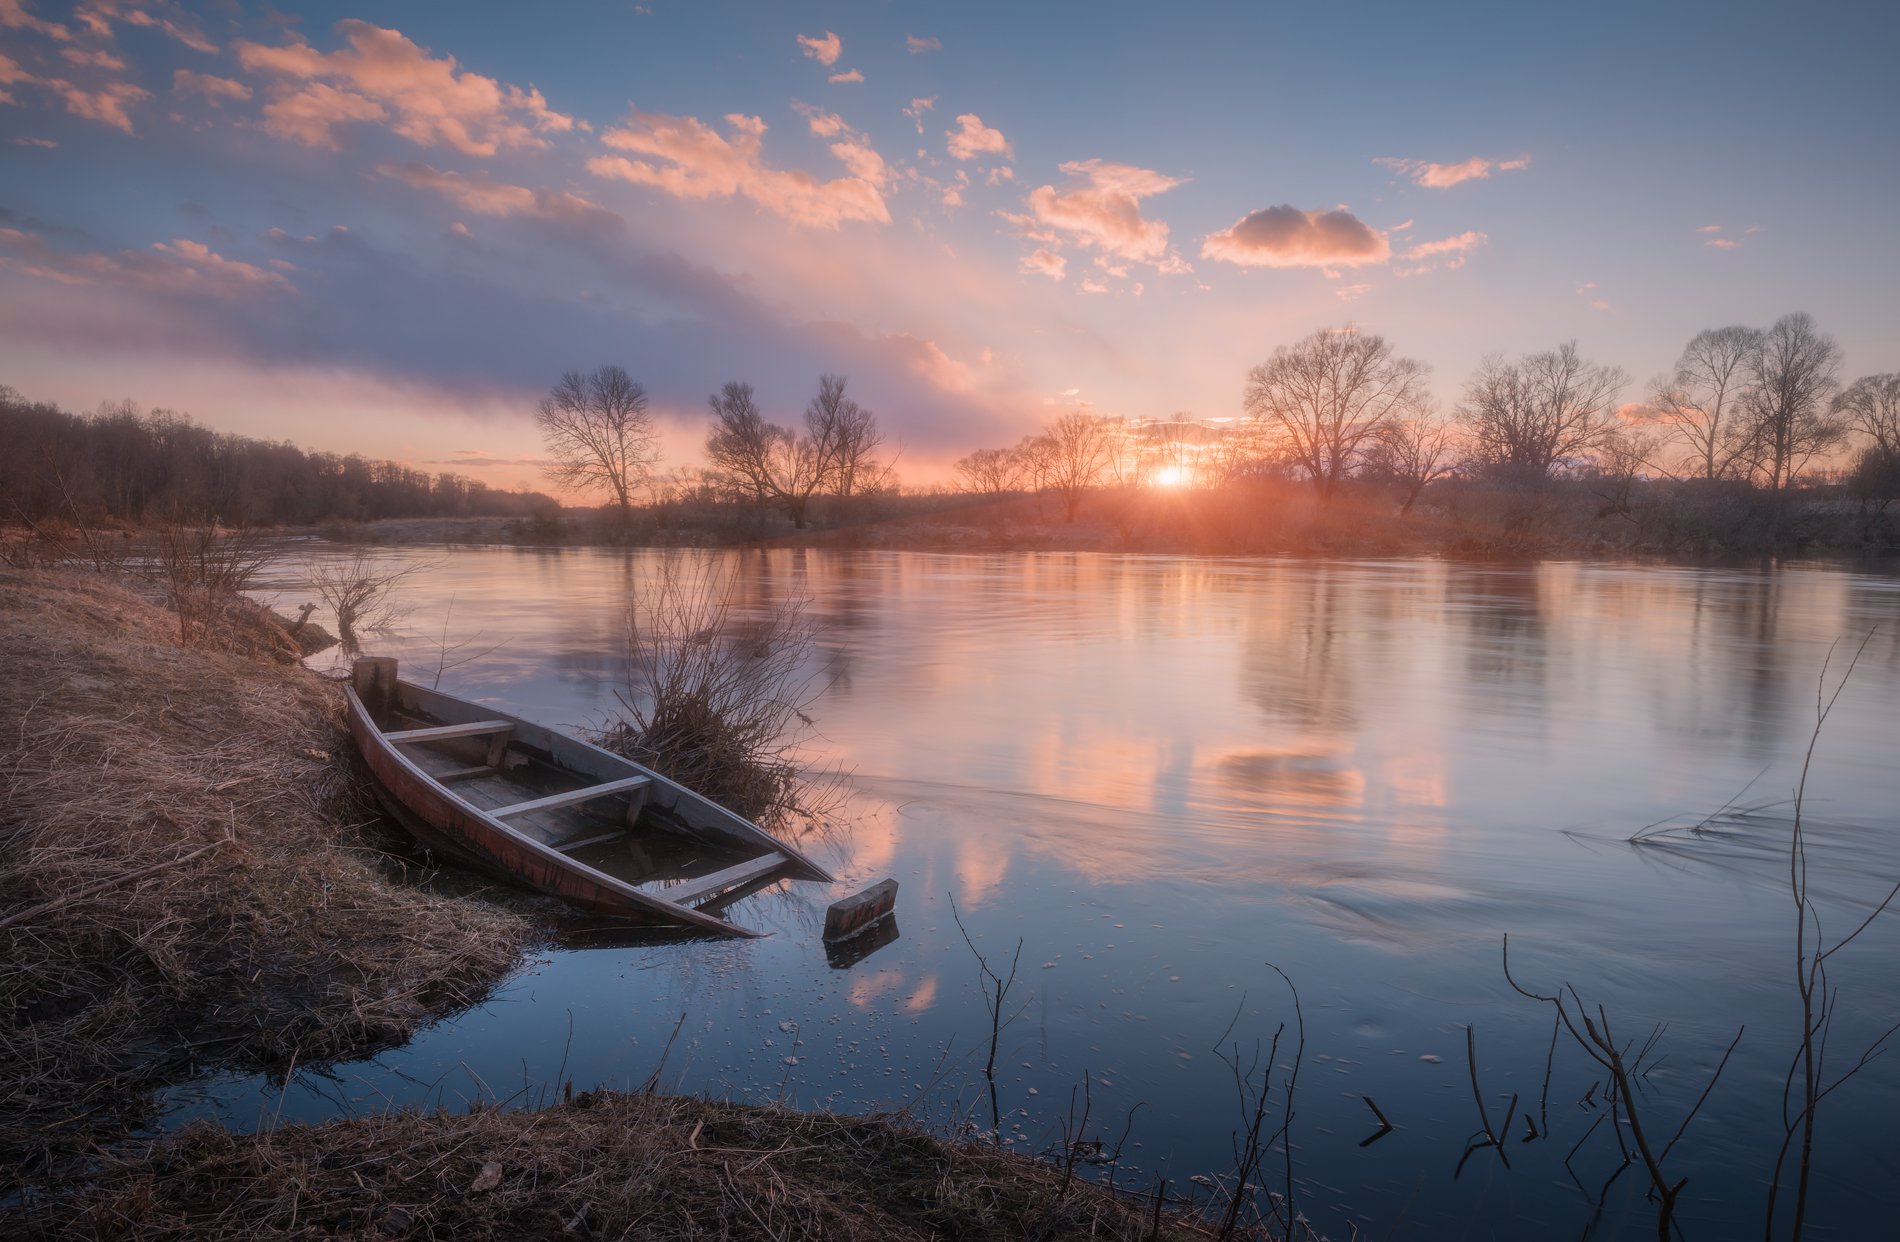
[
  {"x": 990, "y": 470},
  {"x": 599, "y": 434},
  {"x": 1530, "y": 416},
  {"x": 1328, "y": 397},
  {"x": 1792, "y": 373},
  {"x": 1871, "y": 406},
  {"x": 1076, "y": 450},
  {"x": 1413, "y": 453},
  {"x": 1699, "y": 401}
]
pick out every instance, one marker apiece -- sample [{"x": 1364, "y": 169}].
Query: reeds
[
  {"x": 184, "y": 879},
  {"x": 604, "y": 1165}
]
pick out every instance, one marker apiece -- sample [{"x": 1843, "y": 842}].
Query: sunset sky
[{"x": 389, "y": 228}]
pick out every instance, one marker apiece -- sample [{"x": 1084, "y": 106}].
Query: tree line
[
  {"x": 120, "y": 465},
  {"x": 1755, "y": 406}
]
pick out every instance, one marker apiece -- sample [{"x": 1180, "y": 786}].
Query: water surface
[{"x": 1167, "y": 776}]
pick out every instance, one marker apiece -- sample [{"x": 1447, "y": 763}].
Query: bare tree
[
  {"x": 1545, "y": 409},
  {"x": 1871, "y": 406},
  {"x": 1413, "y": 453},
  {"x": 994, "y": 471},
  {"x": 1329, "y": 396},
  {"x": 1078, "y": 449},
  {"x": 850, "y": 434},
  {"x": 1791, "y": 376},
  {"x": 599, "y": 434},
  {"x": 1698, "y": 401},
  {"x": 741, "y": 447}
]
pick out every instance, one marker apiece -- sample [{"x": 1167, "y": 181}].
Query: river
[{"x": 1172, "y": 778}]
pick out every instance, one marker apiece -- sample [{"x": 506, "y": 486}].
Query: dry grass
[
  {"x": 182, "y": 881},
  {"x": 603, "y": 1166}
]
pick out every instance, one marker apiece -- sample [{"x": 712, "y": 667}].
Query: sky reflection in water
[{"x": 1164, "y": 773}]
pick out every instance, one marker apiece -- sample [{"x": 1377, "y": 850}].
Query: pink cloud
[
  {"x": 1444, "y": 176},
  {"x": 96, "y": 59},
  {"x": 1285, "y": 236},
  {"x": 214, "y": 89},
  {"x": 46, "y": 143},
  {"x": 917, "y": 109},
  {"x": 1106, "y": 211},
  {"x": 929, "y": 43},
  {"x": 14, "y": 15},
  {"x": 1710, "y": 228},
  {"x": 384, "y": 76},
  {"x": 851, "y": 75},
  {"x": 1046, "y": 263},
  {"x": 1722, "y": 243},
  {"x": 691, "y": 160},
  {"x": 825, "y": 51},
  {"x": 180, "y": 266},
  {"x": 108, "y": 105},
  {"x": 98, "y": 15},
  {"x": 972, "y": 138},
  {"x": 498, "y": 198}
]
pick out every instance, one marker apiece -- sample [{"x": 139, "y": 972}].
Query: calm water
[{"x": 1162, "y": 774}]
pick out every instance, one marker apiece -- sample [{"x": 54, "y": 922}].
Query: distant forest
[{"x": 117, "y": 465}]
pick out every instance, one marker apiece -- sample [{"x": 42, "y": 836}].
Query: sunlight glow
[{"x": 1171, "y": 476}]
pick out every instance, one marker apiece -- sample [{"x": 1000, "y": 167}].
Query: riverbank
[
  {"x": 601, "y": 1165},
  {"x": 190, "y": 872}
]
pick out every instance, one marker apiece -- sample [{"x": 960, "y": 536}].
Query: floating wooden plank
[
  {"x": 586, "y": 794},
  {"x": 479, "y": 728},
  {"x": 706, "y": 886},
  {"x": 854, "y": 914}
]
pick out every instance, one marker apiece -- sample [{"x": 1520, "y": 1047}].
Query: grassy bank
[
  {"x": 186, "y": 882},
  {"x": 603, "y": 1165}
]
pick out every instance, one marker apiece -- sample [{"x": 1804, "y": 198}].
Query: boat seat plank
[
  {"x": 477, "y": 728},
  {"x": 599, "y": 838},
  {"x": 453, "y": 775},
  {"x": 705, "y": 886},
  {"x": 585, "y": 794}
]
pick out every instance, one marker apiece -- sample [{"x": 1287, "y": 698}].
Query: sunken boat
[{"x": 531, "y": 805}]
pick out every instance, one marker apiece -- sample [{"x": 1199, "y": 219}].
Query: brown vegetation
[
  {"x": 184, "y": 882},
  {"x": 603, "y": 1165}
]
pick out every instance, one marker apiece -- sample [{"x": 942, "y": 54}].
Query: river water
[{"x": 1167, "y": 777}]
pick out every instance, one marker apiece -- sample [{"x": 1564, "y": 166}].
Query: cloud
[
  {"x": 851, "y": 75},
  {"x": 15, "y": 15},
  {"x": 174, "y": 267},
  {"x": 383, "y": 76},
  {"x": 825, "y": 51},
  {"x": 1106, "y": 211},
  {"x": 917, "y": 109},
  {"x": 1444, "y": 176},
  {"x": 487, "y": 197},
  {"x": 972, "y": 138},
  {"x": 214, "y": 89},
  {"x": 98, "y": 15},
  {"x": 1710, "y": 228},
  {"x": 929, "y": 43},
  {"x": 1047, "y": 263},
  {"x": 1722, "y": 243},
  {"x": 1586, "y": 290},
  {"x": 96, "y": 59},
  {"x": 108, "y": 105},
  {"x": 47, "y": 143},
  {"x": 691, "y": 160},
  {"x": 1285, "y": 236}
]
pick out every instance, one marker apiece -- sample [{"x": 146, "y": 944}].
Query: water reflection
[{"x": 1160, "y": 773}]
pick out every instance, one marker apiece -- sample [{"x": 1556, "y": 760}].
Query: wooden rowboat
[{"x": 526, "y": 803}]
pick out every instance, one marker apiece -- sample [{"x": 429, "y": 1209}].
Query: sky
[{"x": 390, "y": 228}]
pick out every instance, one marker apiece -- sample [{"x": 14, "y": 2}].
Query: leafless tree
[
  {"x": 1791, "y": 376},
  {"x": 599, "y": 434},
  {"x": 1329, "y": 396},
  {"x": 1078, "y": 447},
  {"x": 849, "y": 435},
  {"x": 742, "y": 446},
  {"x": 1699, "y": 401},
  {"x": 992, "y": 471},
  {"x": 1414, "y": 453},
  {"x": 1535, "y": 414},
  {"x": 1035, "y": 457},
  {"x": 1871, "y": 406}
]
